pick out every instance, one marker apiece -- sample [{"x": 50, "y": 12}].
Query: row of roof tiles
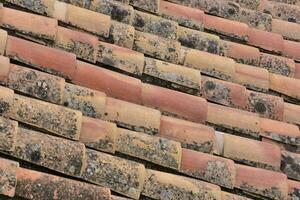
[{"x": 130, "y": 178}]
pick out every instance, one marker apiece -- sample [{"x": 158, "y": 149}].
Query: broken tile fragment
[
  {"x": 207, "y": 167},
  {"x": 36, "y": 84},
  {"x": 290, "y": 164},
  {"x": 160, "y": 185},
  {"x": 132, "y": 116},
  {"x": 90, "y": 102},
  {"x": 43, "y": 186},
  {"x": 6, "y": 101},
  {"x": 50, "y": 117},
  {"x": 8, "y": 134},
  {"x": 120, "y": 175},
  {"x": 8, "y": 177},
  {"x": 55, "y": 153},
  {"x": 161, "y": 151},
  {"x": 172, "y": 76},
  {"x": 98, "y": 134},
  {"x": 121, "y": 58}
]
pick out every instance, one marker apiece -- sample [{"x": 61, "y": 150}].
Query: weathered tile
[
  {"x": 229, "y": 196},
  {"x": 152, "y": 6},
  {"x": 98, "y": 134},
  {"x": 291, "y": 49},
  {"x": 8, "y": 177},
  {"x": 121, "y": 58},
  {"x": 120, "y": 175},
  {"x": 278, "y": 65},
  {"x": 223, "y": 92},
  {"x": 84, "y": 45},
  {"x": 50, "y": 117},
  {"x": 5, "y": 67},
  {"x": 291, "y": 164},
  {"x": 8, "y": 134},
  {"x": 90, "y": 102},
  {"x": 175, "y": 103},
  {"x": 265, "y": 105},
  {"x": 191, "y": 135},
  {"x": 132, "y": 116},
  {"x": 155, "y": 25},
  {"x": 291, "y": 113},
  {"x": 42, "y": 6},
  {"x": 163, "y": 152},
  {"x": 160, "y": 185},
  {"x": 172, "y": 76},
  {"x": 250, "y": 4},
  {"x": 3, "y": 39},
  {"x": 288, "y": 30},
  {"x": 43, "y": 186},
  {"x": 210, "y": 64},
  {"x": 199, "y": 40},
  {"x": 294, "y": 190},
  {"x": 36, "y": 84},
  {"x": 55, "y": 153},
  {"x": 262, "y": 182},
  {"x": 225, "y": 9},
  {"x": 185, "y": 16},
  {"x": 256, "y": 19},
  {"x": 74, "y": 2},
  {"x": 207, "y": 167},
  {"x": 158, "y": 47},
  {"x": 6, "y": 101}
]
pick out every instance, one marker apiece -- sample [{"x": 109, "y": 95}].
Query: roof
[{"x": 139, "y": 99}]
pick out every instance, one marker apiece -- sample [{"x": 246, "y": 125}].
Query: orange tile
[
  {"x": 4, "y": 69},
  {"x": 291, "y": 113},
  {"x": 113, "y": 84},
  {"x": 297, "y": 70},
  {"x": 175, "y": 103},
  {"x": 292, "y": 49},
  {"x": 294, "y": 189},
  {"x": 8, "y": 175},
  {"x": 8, "y": 134},
  {"x": 288, "y": 30}
]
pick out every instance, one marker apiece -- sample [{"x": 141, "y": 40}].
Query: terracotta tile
[
  {"x": 273, "y": 142},
  {"x": 36, "y": 84},
  {"x": 8, "y": 134},
  {"x": 210, "y": 168},
  {"x": 4, "y": 70},
  {"x": 90, "y": 102},
  {"x": 118, "y": 11},
  {"x": 32, "y": 184},
  {"x": 33, "y": 26},
  {"x": 262, "y": 155},
  {"x": 226, "y": 27},
  {"x": 210, "y": 64},
  {"x": 266, "y": 40},
  {"x": 87, "y": 20},
  {"x": 132, "y": 116},
  {"x": 51, "y": 152},
  {"x": 191, "y": 135},
  {"x": 3, "y": 39},
  {"x": 294, "y": 189},
  {"x": 280, "y": 131},
  {"x": 41, "y": 57},
  {"x": 193, "y": 4},
  {"x": 98, "y": 134},
  {"x": 224, "y": 9},
  {"x": 290, "y": 164},
  {"x": 234, "y": 119},
  {"x": 50, "y": 117},
  {"x": 6, "y": 101},
  {"x": 149, "y": 148},
  {"x": 153, "y": 24},
  {"x": 285, "y": 85},
  {"x": 277, "y": 64},
  {"x": 185, "y": 16},
  {"x": 288, "y": 30},
  {"x": 121, "y": 58},
  {"x": 265, "y": 105},
  {"x": 112, "y": 83},
  {"x": 262, "y": 182},
  {"x": 121, "y": 34},
  {"x": 250, "y": 4},
  {"x": 297, "y": 70},
  {"x": 128, "y": 176},
  {"x": 41, "y": 7},
  {"x": 256, "y": 19},
  {"x": 84, "y": 45},
  {"x": 254, "y": 78},
  {"x": 283, "y": 146},
  {"x": 223, "y": 92},
  {"x": 172, "y": 76},
  {"x": 199, "y": 40},
  {"x": 175, "y": 103},
  {"x": 114, "y": 197},
  {"x": 158, "y": 47},
  {"x": 229, "y": 196},
  {"x": 79, "y": 3},
  {"x": 60, "y": 10},
  {"x": 291, "y": 113},
  {"x": 161, "y": 185},
  {"x": 152, "y": 6},
  {"x": 241, "y": 53},
  {"x": 291, "y": 49},
  {"x": 8, "y": 178}
]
